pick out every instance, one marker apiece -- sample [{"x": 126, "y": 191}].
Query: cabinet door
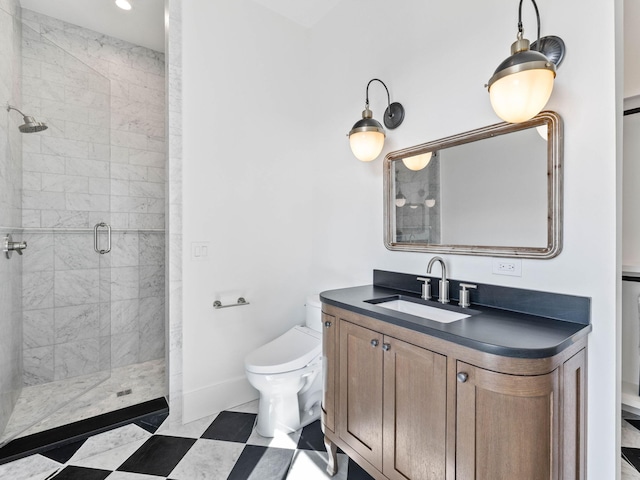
[
  {"x": 360, "y": 421},
  {"x": 329, "y": 370},
  {"x": 415, "y": 412},
  {"x": 507, "y": 425}
]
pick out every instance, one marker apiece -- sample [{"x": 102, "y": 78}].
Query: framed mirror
[{"x": 495, "y": 191}]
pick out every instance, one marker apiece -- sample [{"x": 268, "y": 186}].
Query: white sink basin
[{"x": 424, "y": 311}]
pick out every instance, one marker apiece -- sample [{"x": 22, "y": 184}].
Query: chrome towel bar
[{"x": 241, "y": 301}]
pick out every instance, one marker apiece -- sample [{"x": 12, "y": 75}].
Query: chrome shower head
[{"x": 30, "y": 124}]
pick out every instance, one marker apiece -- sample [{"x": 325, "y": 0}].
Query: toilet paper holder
[{"x": 241, "y": 301}]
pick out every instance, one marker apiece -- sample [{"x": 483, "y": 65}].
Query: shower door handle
[{"x": 96, "y": 247}]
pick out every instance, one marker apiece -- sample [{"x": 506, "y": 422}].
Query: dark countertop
[{"x": 491, "y": 330}]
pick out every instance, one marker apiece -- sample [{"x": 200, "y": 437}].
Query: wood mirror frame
[{"x": 549, "y": 243}]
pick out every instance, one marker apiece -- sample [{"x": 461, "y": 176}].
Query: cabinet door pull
[
  {"x": 327, "y": 324},
  {"x": 462, "y": 377},
  {"x": 386, "y": 347},
  {"x": 374, "y": 343}
]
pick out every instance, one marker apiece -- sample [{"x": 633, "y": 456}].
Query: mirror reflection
[{"x": 493, "y": 191}]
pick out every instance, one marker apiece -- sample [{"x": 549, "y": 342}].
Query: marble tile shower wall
[
  {"x": 102, "y": 159},
  {"x": 10, "y": 185},
  {"x": 77, "y": 319}
]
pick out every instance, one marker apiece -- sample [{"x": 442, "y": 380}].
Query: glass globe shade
[
  {"x": 401, "y": 200},
  {"x": 366, "y": 146},
  {"x": 521, "y": 96},
  {"x": 417, "y": 162}
]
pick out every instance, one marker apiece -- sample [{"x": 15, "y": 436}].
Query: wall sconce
[
  {"x": 366, "y": 138},
  {"x": 417, "y": 162},
  {"x": 522, "y": 84}
]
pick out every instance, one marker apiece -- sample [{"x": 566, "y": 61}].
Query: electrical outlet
[{"x": 507, "y": 266}]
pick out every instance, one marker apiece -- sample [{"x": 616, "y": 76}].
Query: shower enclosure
[{"x": 87, "y": 294}]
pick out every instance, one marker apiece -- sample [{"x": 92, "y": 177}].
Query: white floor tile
[
  {"x": 311, "y": 465},
  {"x": 280, "y": 440},
  {"x": 208, "y": 460},
  {"x": 193, "y": 429},
  {"x": 132, "y": 476},
  {"x": 103, "y": 442},
  {"x": 110, "y": 459},
  {"x": 35, "y": 467}
]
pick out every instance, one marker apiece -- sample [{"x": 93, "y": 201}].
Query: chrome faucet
[{"x": 443, "y": 296}]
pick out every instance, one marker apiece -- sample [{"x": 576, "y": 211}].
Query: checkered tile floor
[
  {"x": 630, "y": 447},
  {"x": 224, "y": 446}
]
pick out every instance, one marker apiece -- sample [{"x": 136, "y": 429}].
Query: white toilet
[{"x": 288, "y": 374}]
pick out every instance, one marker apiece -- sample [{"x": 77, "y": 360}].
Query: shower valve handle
[{"x": 10, "y": 246}]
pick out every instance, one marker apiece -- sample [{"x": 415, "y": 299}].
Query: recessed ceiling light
[{"x": 123, "y": 4}]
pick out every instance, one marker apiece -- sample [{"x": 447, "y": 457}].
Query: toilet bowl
[{"x": 288, "y": 374}]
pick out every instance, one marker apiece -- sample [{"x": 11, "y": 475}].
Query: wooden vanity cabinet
[
  {"x": 410, "y": 406},
  {"x": 506, "y": 425}
]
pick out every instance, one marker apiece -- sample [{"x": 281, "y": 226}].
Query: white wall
[
  {"x": 249, "y": 116},
  {"x": 435, "y": 58}
]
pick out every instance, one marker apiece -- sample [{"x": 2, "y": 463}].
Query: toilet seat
[{"x": 293, "y": 350}]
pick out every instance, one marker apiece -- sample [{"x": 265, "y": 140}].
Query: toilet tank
[{"x": 313, "y": 313}]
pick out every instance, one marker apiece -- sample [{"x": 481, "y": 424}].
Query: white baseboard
[{"x": 216, "y": 398}]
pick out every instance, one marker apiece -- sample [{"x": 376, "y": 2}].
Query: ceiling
[{"x": 144, "y": 24}]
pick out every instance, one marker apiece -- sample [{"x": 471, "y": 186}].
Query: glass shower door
[{"x": 65, "y": 269}]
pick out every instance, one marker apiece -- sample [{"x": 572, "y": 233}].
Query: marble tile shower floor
[{"x": 74, "y": 399}]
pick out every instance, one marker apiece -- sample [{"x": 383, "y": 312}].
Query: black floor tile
[
  {"x": 152, "y": 422},
  {"x": 635, "y": 423},
  {"x": 632, "y": 455},
  {"x": 158, "y": 456},
  {"x": 312, "y": 437},
  {"x": 64, "y": 453},
  {"x": 81, "y": 473},
  {"x": 356, "y": 472},
  {"x": 231, "y": 427},
  {"x": 261, "y": 463}
]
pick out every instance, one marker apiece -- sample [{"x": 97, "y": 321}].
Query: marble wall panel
[
  {"x": 37, "y": 290},
  {"x": 152, "y": 332},
  {"x": 124, "y": 349},
  {"x": 76, "y": 358},
  {"x": 38, "y": 328},
  {"x": 38, "y": 365},
  {"x": 102, "y": 159},
  {"x": 152, "y": 281},
  {"x": 11, "y": 160},
  {"x": 124, "y": 249},
  {"x": 124, "y": 316},
  {"x": 125, "y": 283},
  {"x": 74, "y": 251},
  {"x": 77, "y": 323},
  {"x": 76, "y": 287}
]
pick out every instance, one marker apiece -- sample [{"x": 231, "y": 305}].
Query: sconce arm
[
  {"x": 394, "y": 114},
  {"x": 520, "y": 29}
]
